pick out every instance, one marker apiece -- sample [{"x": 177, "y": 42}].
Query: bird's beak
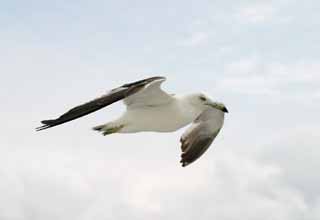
[
  {"x": 224, "y": 109},
  {"x": 214, "y": 105}
]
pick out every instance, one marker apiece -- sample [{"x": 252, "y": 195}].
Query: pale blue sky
[{"x": 261, "y": 58}]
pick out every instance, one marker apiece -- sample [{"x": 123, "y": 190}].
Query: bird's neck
[{"x": 190, "y": 110}]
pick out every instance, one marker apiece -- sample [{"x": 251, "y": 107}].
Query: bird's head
[{"x": 201, "y": 100}]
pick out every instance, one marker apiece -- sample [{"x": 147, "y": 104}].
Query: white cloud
[
  {"x": 256, "y": 13},
  {"x": 259, "y": 12},
  {"x": 296, "y": 152},
  {"x": 64, "y": 185},
  {"x": 195, "y": 39},
  {"x": 253, "y": 76},
  {"x": 245, "y": 66}
]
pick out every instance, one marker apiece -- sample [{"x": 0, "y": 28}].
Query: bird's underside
[{"x": 149, "y": 108}]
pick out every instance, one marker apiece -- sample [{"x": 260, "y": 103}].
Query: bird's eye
[{"x": 202, "y": 98}]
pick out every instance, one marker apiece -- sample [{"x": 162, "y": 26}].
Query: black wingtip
[
  {"x": 46, "y": 124},
  {"x": 42, "y": 127},
  {"x": 183, "y": 162}
]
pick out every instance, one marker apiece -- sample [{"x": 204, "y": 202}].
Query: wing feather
[
  {"x": 150, "y": 95},
  {"x": 113, "y": 96},
  {"x": 198, "y": 138}
]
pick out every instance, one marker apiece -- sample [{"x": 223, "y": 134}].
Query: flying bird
[{"x": 149, "y": 108}]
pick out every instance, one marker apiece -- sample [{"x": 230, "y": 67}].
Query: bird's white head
[{"x": 202, "y": 101}]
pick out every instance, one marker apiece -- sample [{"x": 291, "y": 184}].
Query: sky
[{"x": 260, "y": 58}]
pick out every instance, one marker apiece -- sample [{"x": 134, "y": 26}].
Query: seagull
[{"x": 149, "y": 108}]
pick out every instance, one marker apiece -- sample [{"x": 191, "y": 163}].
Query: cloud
[
  {"x": 296, "y": 152},
  {"x": 195, "y": 39},
  {"x": 261, "y": 12},
  {"x": 256, "y": 13},
  {"x": 253, "y": 76},
  {"x": 63, "y": 185}
]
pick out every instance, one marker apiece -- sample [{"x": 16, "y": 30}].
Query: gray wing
[
  {"x": 113, "y": 96},
  {"x": 198, "y": 138}
]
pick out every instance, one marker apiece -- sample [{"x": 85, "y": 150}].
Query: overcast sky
[{"x": 260, "y": 58}]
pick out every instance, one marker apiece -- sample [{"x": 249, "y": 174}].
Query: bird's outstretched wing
[
  {"x": 198, "y": 138},
  {"x": 123, "y": 92},
  {"x": 150, "y": 95}
]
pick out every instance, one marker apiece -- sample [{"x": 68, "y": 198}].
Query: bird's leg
[
  {"x": 112, "y": 130},
  {"x": 108, "y": 128}
]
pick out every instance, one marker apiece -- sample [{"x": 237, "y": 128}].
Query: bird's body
[
  {"x": 149, "y": 108},
  {"x": 162, "y": 118}
]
